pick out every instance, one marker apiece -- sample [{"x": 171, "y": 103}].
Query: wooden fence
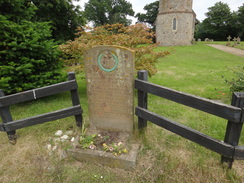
[
  {"x": 234, "y": 113},
  {"x": 9, "y": 126}
]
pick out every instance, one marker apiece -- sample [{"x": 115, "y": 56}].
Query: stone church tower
[{"x": 175, "y": 23}]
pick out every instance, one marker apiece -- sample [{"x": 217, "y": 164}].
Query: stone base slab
[{"x": 123, "y": 161}]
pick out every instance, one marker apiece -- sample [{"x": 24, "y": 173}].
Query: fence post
[
  {"x": 142, "y": 99},
  {"x": 75, "y": 100},
  {"x": 7, "y": 117},
  {"x": 233, "y": 130}
]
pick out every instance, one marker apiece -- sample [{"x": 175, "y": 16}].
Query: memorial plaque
[{"x": 110, "y": 86}]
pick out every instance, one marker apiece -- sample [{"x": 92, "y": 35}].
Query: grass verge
[{"x": 163, "y": 157}]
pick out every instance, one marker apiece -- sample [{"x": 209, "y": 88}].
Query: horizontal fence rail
[
  {"x": 10, "y": 126},
  {"x": 186, "y": 132},
  {"x": 42, "y": 118},
  {"x": 37, "y": 93},
  {"x": 218, "y": 109},
  {"x": 234, "y": 113}
]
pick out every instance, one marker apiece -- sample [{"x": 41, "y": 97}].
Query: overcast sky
[{"x": 199, "y": 6}]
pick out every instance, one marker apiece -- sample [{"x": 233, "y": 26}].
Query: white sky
[{"x": 199, "y": 6}]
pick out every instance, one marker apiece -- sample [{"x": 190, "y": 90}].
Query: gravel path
[{"x": 234, "y": 51}]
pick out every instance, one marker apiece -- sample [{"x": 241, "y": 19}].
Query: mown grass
[{"x": 163, "y": 157}]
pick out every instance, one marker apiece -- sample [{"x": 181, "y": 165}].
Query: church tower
[{"x": 175, "y": 23}]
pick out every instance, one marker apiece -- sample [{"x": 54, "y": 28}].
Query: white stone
[
  {"x": 72, "y": 139},
  {"x": 49, "y": 147},
  {"x": 59, "y": 133},
  {"x": 64, "y": 137},
  {"x": 69, "y": 132}
]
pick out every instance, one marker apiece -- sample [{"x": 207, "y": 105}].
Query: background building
[{"x": 175, "y": 23}]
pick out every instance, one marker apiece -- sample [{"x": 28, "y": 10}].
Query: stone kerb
[{"x": 110, "y": 85}]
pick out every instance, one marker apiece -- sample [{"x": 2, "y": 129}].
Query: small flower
[
  {"x": 111, "y": 149},
  {"x": 125, "y": 151},
  {"x": 92, "y": 146}
]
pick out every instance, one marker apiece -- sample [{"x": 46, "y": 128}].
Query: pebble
[
  {"x": 64, "y": 137},
  {"x": 70, "y": 132},
  {"x": 49, "y": 147},
  {"x": 59, "y": 133}
]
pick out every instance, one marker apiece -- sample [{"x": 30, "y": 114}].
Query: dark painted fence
[
  {"x": 234, "y": 113},
  {"x": 9, "y": 126}
]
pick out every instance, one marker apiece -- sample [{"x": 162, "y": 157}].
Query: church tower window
[{"x": 174, "y": 23}]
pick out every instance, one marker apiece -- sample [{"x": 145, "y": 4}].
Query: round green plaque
[{"x": 116, "y": 61}]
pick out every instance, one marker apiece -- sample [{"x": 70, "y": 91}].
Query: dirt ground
[{"x": 234, "y": 51}]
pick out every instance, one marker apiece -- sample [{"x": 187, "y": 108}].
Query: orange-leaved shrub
[{"x": 136, "y": 37}]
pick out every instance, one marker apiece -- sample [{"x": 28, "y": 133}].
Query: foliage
[
  {"x": 240, "y": 20},
  {"x": 63, "y": 16},
  {"x": 87, "y": 141},
  {"x": 116, "y": 34},
  {"x": 151, "y": 14},
  {"x": 17, "y": 10},
  {"x": 220, "y": 23},
  {"x": 237, "y": 83},
  {"x": 28, "y": 58},
  {"x": 100, "y": 142},
  {"x": 102, "y": 12}
]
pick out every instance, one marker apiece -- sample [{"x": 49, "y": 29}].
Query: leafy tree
[
  {"x": 116, "y": 34},
  {"x": 151, "y": 14},
  {"x": 17, "y": 10},
  {"x": 102, "y": 12},
  {"x": 218, "y": 24},
  {"x": 63, "y": 16},
  {"x": 240, "y": 21},
  {"x": 28, "y": 57}
]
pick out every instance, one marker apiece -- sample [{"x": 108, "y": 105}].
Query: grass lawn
[{"x": 163, "y": 157}]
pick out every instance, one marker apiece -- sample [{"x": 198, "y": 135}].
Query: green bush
[
  {"x": 237, "y": 84},
  {"x": 28, "y": 58}
]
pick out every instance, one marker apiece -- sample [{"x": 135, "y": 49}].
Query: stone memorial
[
  {"x": 110, "y": 86},
  {"x": 235, "y": 41},
  {"x": 238, "y": 40},
  {"x": 110, "y": 90},
  {"x": 229, "y": 38}
]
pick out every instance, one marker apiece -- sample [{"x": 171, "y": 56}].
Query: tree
[
  {"x": 151, "y": 14},
  {"x": 116, "y": 34},
  {"x": 63, "y": 16},
  {"x": 17, "y": 10},
  {"x": 240, "y": 19},
  {"x": 102, "y": 12},
  {"x": 28, "y": 57},
  {"x": 218, "y": 24}
]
